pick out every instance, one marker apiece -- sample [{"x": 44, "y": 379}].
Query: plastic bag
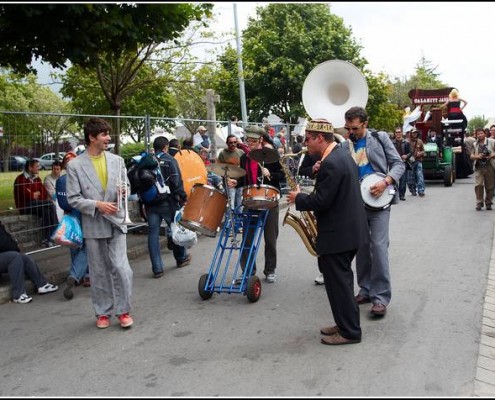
[
  {"x": 69, "y": 232},
  {"x": 182, "y": 236}
]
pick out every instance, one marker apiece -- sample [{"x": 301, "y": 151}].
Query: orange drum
[
  {"x": 192, "y": 169},
  {"x": 260, "y": 197},
  {"x": 204, "y": 210}
]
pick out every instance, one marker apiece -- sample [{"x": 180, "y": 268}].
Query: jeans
[
  {"x": 235, "y": 198},
  {"x": 415, "y": 178},
  {"x": 403, "y": 184},
  {"x": 79, "y": 263},
  {"x": 155, "y": 217}
]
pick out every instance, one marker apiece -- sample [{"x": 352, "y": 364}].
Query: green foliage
[
  {"x": 82, "y": 32},
  {"x": 383, "y": 115},
  {"x": 425, "y": 77},
  {"x": 131, "y": 149},
  {"x": 476, "y": 122},
  {"x": 280, "y": 48}
]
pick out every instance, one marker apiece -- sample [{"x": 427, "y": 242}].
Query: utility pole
[
  {"x": 210, "y": 99},
  {"x": 240, "y": 70}
]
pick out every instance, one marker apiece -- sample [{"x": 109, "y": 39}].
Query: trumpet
[{"x": 122, "y": 193}]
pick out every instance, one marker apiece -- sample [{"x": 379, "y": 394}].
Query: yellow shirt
[{"x": 100, "y": 164}]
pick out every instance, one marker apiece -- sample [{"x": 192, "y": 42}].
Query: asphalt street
[{"x": 183, "y": 346}]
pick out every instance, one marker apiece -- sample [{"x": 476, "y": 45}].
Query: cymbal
[
  {"x": 264, "y": 155},
  {"x": 230, "y": 170}
]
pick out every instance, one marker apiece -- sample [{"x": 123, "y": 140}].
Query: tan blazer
[{"x": 490, "y": 145}]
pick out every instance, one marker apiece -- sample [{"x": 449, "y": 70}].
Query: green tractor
[{"x": 439, "y": 166}]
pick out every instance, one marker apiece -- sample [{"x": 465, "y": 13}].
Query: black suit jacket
[{"x": 337, "y": 203}]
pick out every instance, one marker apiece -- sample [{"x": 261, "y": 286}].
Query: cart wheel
[
  {"x": 253, "y": 291},
  {"x": 448, "y": 175},
  {"x": 201, "y": 287}
]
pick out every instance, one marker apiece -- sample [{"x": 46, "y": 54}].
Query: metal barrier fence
[{"x": 47, "y": 136}]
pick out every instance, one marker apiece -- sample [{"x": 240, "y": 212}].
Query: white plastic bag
[{"x": 182, "y": 236}]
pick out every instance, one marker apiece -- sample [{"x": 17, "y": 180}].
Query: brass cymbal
[
  {"x": 264, "y": 155},
  {"x": 223, "y": 169}
]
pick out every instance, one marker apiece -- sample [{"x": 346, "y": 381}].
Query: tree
[
  {"x": 280, "y": 48},
  {"x": 478, "y": 121},
  {"x": 425, "y": 77},
  {"x": 115, "y": 40},
  {"x": 153, "y": 98},
  {"x": 82, "y": 32}
]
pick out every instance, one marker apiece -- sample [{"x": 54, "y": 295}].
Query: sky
[{"x": 456, "y": 37}]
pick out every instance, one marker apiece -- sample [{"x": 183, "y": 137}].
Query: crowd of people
[{"x": 90, "y": 190}]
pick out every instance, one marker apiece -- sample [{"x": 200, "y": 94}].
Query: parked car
[
  {"x": 16, "y": 163},
  {"x": 46, "y": 160}
]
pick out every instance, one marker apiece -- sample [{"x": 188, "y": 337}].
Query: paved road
[{"x": 181, "y": 345}]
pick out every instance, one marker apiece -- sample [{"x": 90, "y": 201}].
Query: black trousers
[
  {"x": 339, "y": 285},
  {"x": 45, "y": 210}
]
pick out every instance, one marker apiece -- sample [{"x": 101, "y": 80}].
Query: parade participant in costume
[
  {"x": 341, "y": 225},
  {"x": 374, "y": 152},
  {"x": 95, "y": 181},
  {"x": 454, "y": 106},
  {"x": 255, "y": 173}
]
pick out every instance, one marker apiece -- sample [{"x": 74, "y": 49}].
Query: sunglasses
[{"x": 354, "y": 128}]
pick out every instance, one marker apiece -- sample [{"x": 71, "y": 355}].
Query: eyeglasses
[
  {"x": 252, "y": 140},
  {"x": 354, "y": 128},
  {"x": 398, "y": 131},
  {"x": 231, "y": 142}
]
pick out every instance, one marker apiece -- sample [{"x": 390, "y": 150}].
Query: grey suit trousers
[{"x": 110, "y": 274}]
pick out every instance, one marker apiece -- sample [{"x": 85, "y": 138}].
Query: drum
[
  {"x": 260, "y": 197},
  {"x": 372, "y": 202},
  {"x": 204, "y": 210}
]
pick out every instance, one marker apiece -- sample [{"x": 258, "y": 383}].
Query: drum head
[
  {"x": 374, "y": 202},
  {"x": 192, "y": 169}
]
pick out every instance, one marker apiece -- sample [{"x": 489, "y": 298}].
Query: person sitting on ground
[
  {"x": 31, "y": 197},
  {"x": 79, "y": 269},
  {"x": 19, "y": 265}
]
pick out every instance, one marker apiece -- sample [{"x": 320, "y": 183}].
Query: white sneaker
[
  {"x": 47, "y": 288},
  {"x": 319, "y": 280},
  {"x": 23, "y": 299},
  {"x": 271, "y": 278}
]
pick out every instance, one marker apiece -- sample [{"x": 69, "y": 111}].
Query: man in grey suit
[
  {"x": 93, "y": 179},
  {"x": 373, "y": 153}
]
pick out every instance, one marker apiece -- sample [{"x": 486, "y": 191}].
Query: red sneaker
[
  {"x": 125, "y": 320},
  {"x": 102, "y": 322}
]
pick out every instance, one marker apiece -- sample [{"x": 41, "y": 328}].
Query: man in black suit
[{"x": 341, "y": 225}]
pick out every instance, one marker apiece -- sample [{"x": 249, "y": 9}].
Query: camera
[{"x": 486, "y": 153}]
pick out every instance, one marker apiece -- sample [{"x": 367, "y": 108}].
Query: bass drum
[
  {"x": 192, "y": 169},
  {"x": 376, "y": 203},
  {"x": 260, "y": 197},
  {"x": 204, "y": 210}
]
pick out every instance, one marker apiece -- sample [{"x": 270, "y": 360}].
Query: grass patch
[{"x": 7, "y": 188}]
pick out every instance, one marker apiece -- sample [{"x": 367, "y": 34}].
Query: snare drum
[
  {"x": 260, "y": 197},
  {"x": 204, "y": 210}
]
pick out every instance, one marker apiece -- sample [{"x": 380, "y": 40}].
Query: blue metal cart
[{"x": 225, "y": 274}]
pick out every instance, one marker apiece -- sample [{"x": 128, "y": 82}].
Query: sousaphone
[{"x": 331, "y": 88}]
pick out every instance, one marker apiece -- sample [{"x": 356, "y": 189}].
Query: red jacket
[{"x": 24, "y": 187}]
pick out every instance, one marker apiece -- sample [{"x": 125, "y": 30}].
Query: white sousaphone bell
[{"x": 331, "y": 88}]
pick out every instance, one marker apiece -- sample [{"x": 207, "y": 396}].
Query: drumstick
[{"x": 261, "y": 166}]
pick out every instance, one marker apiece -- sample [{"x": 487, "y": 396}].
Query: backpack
[{"x": 147, "y": 181}]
